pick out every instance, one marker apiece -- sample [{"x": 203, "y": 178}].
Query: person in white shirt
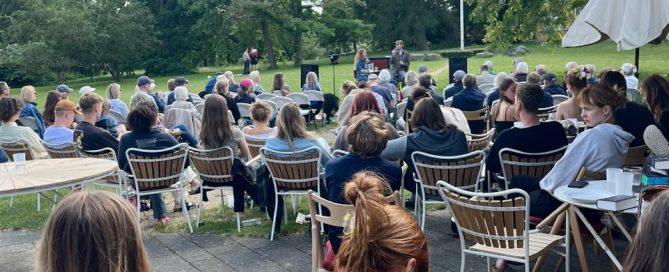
[
  {"x": 60, "y": 132},
  {"x": 628, "y": 71},
  {"x": 10, "y": 132}
]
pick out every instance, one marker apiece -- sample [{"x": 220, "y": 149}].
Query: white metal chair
[
  {"x": 303, "y": 101},
  {"x": 485, "y": 88},
  {"x": 277, "y": 93},
  {"x": 280, "y": 101},
  {"x": 293, "y": 173},
  {"x": 463, "y": 171},
  {"x": 497, "y": 228},
  {"x": 265, "y": 96},
  {"x": 118, "y": 180},
  {"x": 401, "y": 108},
  {"x": 518, "y": 163},
  {"x": 244, "y": 110},
  {"x": 156, "y": 171},
  {"x": 479, "y": 141},
  {"x": 558, "y": 98},
  {"x": 66, "y": 150}
]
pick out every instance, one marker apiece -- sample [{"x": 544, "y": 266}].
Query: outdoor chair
[
  {"x": 29, "y": 121},
  {"x": 636, "y": 156},
  {"x": 558, "y": 98},
  {"x": 316, "y": 96},
  {"x": 518, "y": 163},
  {"x": 280, "y": 101},
  {"x": 265, "y": 96},
  {"x": 215, "y": 169},
  {"x": 463, "y": 171},
  {"x": 156, "y": 171},
  {"x": 479, "y": 141},
  {"x": 485, "y": 88},
  {"x": 62, "y": 151},
  {"x": 544, "y": 113},
  {"x": 476, "y": 119},
  {"x": 293, "y": 173},
  {"x": 117, "y": 180},
  {"x": 400, "y": 110},
  {"x": 244, "y": 111},
  {"x": 302, "y": 100},
  {"x": 16, "y": 147},
  {"x": 497, "y": 228},
  {"x": 336, "y": 219},
  {"x": 254, "y": 146}
]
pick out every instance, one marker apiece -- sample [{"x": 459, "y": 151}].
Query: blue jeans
[
  {"x": 3, "y": 156},
  {"x": 246, "y": 67},
  {"x": 400, "y": 74},
  {"x": 158, "y": 206},
  {"x": 187, "y": 136}
]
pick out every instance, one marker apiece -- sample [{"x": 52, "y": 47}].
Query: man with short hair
[
  {"x": 4, "y": 89},
  {"x": 550, "y": 86},
  {"x": 484, "y": 76},
  {"x": 60, "y": 132},
  {"x": 425, "y": 81},
  {"x": 179, "y": 81},
  {"x": 145, "y": 85},
  {"x": 530, "y": 135},
  {"x": 88, "y": 136},
  {"x": 399, "y": 60},
  {"x": 457, "y": 84},
  {"x": 64, "y": 91}
]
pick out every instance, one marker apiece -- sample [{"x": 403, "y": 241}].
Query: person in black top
[
  {"x": 470, "y": 99},
  {"x": 245, "y": 93},
  {"x": 633, "y": 118},
  {"x": 550, "y": 86},
  {"x": 531, "y": 136},
  {"x": 367, "y": 134},
  {"x": 221, "y": 88},
  {"x": 179, "y": 81},
  {"x": 87, "y": 135},
  {"x": 457, "y": 84}
]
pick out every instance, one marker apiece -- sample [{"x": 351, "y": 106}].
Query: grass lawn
[{"x": 604, "y": 55}]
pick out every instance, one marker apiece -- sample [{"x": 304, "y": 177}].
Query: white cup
[
  {"x": 612, "y": 173},
  {"x": 624, "y": 182},
  {"x": 19, "y": 158}
]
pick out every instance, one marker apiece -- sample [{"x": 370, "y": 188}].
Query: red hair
[{"x": 364, "y": 101}]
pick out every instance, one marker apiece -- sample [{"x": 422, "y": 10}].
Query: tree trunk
[
  {"x": 297, "y": 35},
  {"x": 264, "y": 26}
]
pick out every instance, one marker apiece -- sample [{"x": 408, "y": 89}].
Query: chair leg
[
  {"x": 462, "y": 261},
  {"x": 137, "y": 204},
  {"x": 11, "y": 201},
  {"x": 199, "y": 208},
  {"x": 239, "y": 227},
  {"x": 271, "y": 228},
  {"x": 38, "y": 202},
  {"x": 293, "y": 199},
  {"x": 184, "y": 209}
]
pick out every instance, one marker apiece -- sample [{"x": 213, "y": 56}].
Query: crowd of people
[{"x": 377, "y": 140}]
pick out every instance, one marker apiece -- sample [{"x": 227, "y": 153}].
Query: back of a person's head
[
  {"x": 469, "y": 81},
  {"x": 364, "y": 101},
  {"x": 411, "y": 78},
  {"x": 427, "y": 113},
  {"x": 499, "y": 78},
  {"x": 384, "y": 76},
  {"x": 347, "y": 87},
  {"x": 181, "y": 93},
  {"x": 230, "y": 76},
  {"x": 534, "y": 78},
  {"x": 88, "y": 102},
  {"x": 570, "y": 65},
  {"x": 651, "y": 242},
  {"x": 215, "y": 129},
  {"x": 577, "y": 78},
  {"x": 601, "y": 95},
  {"x": 506, "y": 85},
  {"x": 381, "y": 237},
  {"x": 531, "y": 95},
  {"x": 522, "y": 68},
  {"x": 255, "y": 76},
  {"x": 541, "y": 69},
  {"x": 260, "y": 111},
  {"x": 113, "y": 91},
  {"x": 290, "y": 123},
  {"x": 171, "y": 84},
  {"x": 137, "y": 98},
  {"x": 367, "y": 134},
  {"x": 418, "y": 94},
  {"x": 9, "y": 106},
  {"x": 222, "y": 86},
  {"x": 655, "y": 90},
  {"x": 142, "y": 117},
  {"x": 278, "y": 81},
  {"x": 614, "y": 80},
  {"x": 28, "y": 94},
  {"x": 92, "y": 231},
  {"x": 425, "y": 81},
  {"x": 627, "y": 69}
]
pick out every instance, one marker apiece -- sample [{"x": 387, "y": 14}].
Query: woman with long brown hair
[
  {"x": 380, "y": 237},
  {"x": 49, "y": 113},
  {"x": 504, "y": 112},
  {"x": 217, "y": 131},
  {"x": 655, "y": 92},
  {"x": 92, "y": 231},
  {"x": 650, "y": 246}
]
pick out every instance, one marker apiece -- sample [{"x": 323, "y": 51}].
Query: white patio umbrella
[{"x": 629, "y": 23}]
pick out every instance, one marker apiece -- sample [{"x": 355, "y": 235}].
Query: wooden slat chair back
[
  {"x": 496, "y": 228},
  {"x": 18, "y": 146},
  {"x": 107, "y": 154},
  {"x": 479, "y": 141},
  {"x": 293, "y": 173},
  {"x": 543, "y": 113},
  {"x": 336, "y": 218},
  {"x": 64, "y": 151},
  {"x": 477, "y": 115},
  {"x": 254, "y": 146},
  {"x": 636, "y": 156},
  {"x": 517, "y": 163},
  {"x": 463, "y": 171},
  {"x": 157, "y": 169}
]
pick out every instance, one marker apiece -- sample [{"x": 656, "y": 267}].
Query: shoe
[
  {"x": 143, "y": 207},
  {"x": 189, "y": 205}
]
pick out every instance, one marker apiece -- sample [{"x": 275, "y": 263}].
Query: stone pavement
[{"x": 206, "y": 252}]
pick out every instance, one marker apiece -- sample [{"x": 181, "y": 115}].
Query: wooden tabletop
[{"x": 47, "y": 174}]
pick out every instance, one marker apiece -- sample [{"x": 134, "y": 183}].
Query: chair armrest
[{"x": 251, "y": 161}]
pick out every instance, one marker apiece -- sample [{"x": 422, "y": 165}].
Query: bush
[
  {"x": 417, "y": 57},
  {"x": 15, "y": 75}
]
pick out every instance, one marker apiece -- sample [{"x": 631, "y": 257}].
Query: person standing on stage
[{"x": 399, "y": 60}]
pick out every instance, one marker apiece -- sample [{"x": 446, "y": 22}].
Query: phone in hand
[{"x": 578, "y": 184}]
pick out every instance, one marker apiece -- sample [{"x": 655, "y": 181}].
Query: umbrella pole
[{"x": 636, "y": 62}]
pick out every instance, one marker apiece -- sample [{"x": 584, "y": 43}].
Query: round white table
[{"x": 40, "y": 176}]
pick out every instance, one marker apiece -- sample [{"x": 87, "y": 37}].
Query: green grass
[{"x": 23, "y": 214}]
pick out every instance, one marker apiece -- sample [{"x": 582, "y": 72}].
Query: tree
[
  {"x": 339, "y": 17},
  {"x": 510, "y": 21}
]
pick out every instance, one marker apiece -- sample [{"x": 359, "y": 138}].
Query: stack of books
[{"x": 656, "y": 171}]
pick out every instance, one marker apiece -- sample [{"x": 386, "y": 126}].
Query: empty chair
[
  {"x": 265, "y": 96},
  {"x": 116, "y": 180}
]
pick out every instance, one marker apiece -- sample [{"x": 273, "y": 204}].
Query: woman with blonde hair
[
  {"x": 411, "y": 80},
  {"x": 114, "y": 96},
  {"x": 29, "y": 97},
  {"x": 230, "y": 76},
  {"x": 380, "y": 236},
  {"x": 360, "y": 65},
  {"x": 255, "y": 77},
  {"x": 92, "y": 231}
]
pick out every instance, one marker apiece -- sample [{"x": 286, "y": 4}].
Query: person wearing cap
[
  {"x": 10, "y": 131},
  {"x": 29, "y": 99},
  {"x": 88, "y": 136},
  {"x": 179, "y": 82},
  {"x": 86, "y": 89},
  {"x": 4, "y": 89},
  {"x": 64, "y": 91},
  {"x": 484, "y": 76},
  {"x": 399, "y": 60},
  {"x": 457, "y": 84},
  {"x": 60, "y": 132},
  {"x": 144, "y": 84},
  {"x": 245, "y": 93},
  {"x": 550, "y": 86}
]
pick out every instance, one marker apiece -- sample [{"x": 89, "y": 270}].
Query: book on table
[
  {"x": 617, "y": 203},
  {"x": 659, "y": 162}
]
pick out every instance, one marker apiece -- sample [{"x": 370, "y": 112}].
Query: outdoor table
[
  {"x": 40, "y": 176},
  {"x": 574, "y": 214}
]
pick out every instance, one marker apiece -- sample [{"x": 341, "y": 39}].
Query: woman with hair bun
[{"x": 380, "y": 237}]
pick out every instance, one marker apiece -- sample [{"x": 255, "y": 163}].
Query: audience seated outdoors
[
  {"x": 61, "y": 133},
  {"x": 493, "y": 94},
  {"x": 179, "y": 82},
  {"x": 28, "y": 97},
  {"x": 535, "y": 78},
  {"x": 430, "y": 133},
  {"x": 107, "y": 122},
  {"x": 291, "y": 136},
  {"x": 655, "y": 93},
  {"x": 368, "y": 135},
  {"x": 260, "y": 114},
  {"x": 411, "y": 81},
  {"x": 89, "y": 136},
  {"x": 146, "y": 85},
  {"x": 245, "y": 93},
  {"x": 384, "y": 81},
  {"x": 222, "y": 88},
  {"x": 550, "y": 86},
  {"x": 457, "y": 84},
  {"x": 350, "y": 90},
  {"x": 632, "y": 117},
  {"x": 52, "y": 98},
  {"x": 234, "y": 87},
  {"x": 278, "y": 82},
  {"x": 254, "y": 76},
  {"x": 92, "y": 231},
  {"x": 10, "y": 132},
  {"x": 380, "y": 236},
  {"x": 117, "y": 105},
  {"x": 575, "y": 80},
  {"x": 521, "y": 71},
  {"x": 383, "y": 91},
  {"x": 649, "y": 246},
  {"x": 530, "y": 135},
  {"x": 470, "y": 99},
  {"x": 217, "y": 131},
  {"x": 504, "y": 113},
  {"x": 425, "y": 81},
  {"x": 363, "y": 102}
]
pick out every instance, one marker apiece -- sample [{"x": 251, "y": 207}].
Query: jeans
[
  {"x": 3, "y": 156},
  {"x": 400, "y": 74},
  {"x": 246, "y": 67},
  {"x": 158, "y": 206},
  {"x": 187, "y": 136}
]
